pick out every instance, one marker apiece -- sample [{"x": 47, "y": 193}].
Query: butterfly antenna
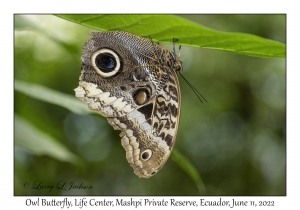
[
  {"x": 174, "y": 46},
  {"x": 193, "y": 88},
  {"x": 179, "y": 51}
]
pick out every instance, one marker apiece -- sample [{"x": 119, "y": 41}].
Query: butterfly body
[{"x": 133, "y": 82}]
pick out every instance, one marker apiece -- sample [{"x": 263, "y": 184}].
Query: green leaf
[
  {"x": 51, "y": 96},
  {"x": 164, "y": 28},
  {"x": 190, "y": 169},
  {"x": 39, "y": 143}
]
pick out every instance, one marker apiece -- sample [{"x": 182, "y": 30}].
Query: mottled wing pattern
[
  {"x": 132, "y": 81},
  {"x": 152, "y": 126},
  {"x": 166, "y": 113}
]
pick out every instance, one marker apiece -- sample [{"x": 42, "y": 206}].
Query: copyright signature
[
  {"x": 61, "y": 185},
  {"x": 37, "y": 186},
  {"x": 26, "y": 185}
]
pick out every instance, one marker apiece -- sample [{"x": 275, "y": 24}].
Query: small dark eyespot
[
  {"x": 153, "y": 172},
  {"x": 123, "y": 88},
  {"x": 146, "y": 154}
]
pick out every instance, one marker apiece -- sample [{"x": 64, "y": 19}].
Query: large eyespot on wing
[{"x": 106, "y": 62}]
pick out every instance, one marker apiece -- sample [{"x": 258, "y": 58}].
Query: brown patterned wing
[
  {"x": 132, "y": 81},
  {"x": 166, "y": 113},
  {"x": 149, "y": 132}
]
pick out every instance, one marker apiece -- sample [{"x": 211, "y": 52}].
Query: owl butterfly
[{"x": 132, "y": 81}]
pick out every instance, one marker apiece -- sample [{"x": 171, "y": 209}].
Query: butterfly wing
[{"x": 142, "y": 99}]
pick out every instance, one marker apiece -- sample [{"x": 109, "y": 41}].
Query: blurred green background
[{"x": 236, "y": 141}]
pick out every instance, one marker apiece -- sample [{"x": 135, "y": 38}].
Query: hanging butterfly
[{"x": 133, "y": 82}]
